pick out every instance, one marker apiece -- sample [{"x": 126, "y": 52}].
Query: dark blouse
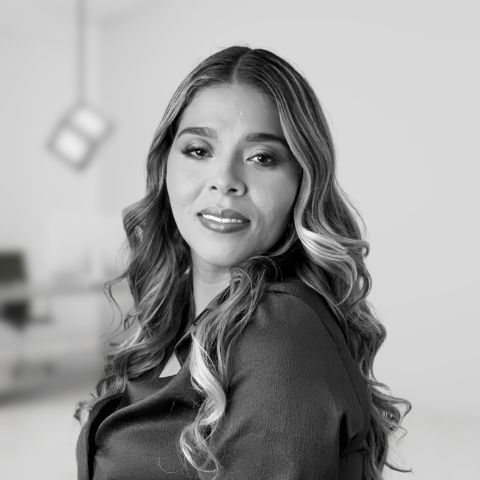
[{"x": 297, "y": 406}]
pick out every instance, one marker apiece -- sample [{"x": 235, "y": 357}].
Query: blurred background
[{"x": 82, "y": 92}]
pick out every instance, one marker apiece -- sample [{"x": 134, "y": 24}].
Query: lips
[
  {"x": 223, "y": 215},
  {"x": 223, "y": 220}
]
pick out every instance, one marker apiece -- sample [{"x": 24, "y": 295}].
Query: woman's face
[{"x": 229, "y": 159}]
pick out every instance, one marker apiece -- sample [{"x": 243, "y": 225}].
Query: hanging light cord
[{"x": 80, "y": 50}]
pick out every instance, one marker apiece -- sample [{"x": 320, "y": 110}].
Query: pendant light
[{"x": 82, "y": 129}]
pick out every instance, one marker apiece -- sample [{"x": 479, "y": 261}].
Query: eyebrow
[{"x": 251, "y": 137}]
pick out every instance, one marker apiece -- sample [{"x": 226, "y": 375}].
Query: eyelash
[{"x": 273, "y": 159}]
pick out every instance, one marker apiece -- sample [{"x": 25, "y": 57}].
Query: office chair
[{"x": 16, "y": 312}]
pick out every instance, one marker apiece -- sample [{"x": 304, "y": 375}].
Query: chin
[{"x": 222, "y": 259}]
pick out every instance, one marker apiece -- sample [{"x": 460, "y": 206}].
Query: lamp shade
[{"x": 78, "y": 134}]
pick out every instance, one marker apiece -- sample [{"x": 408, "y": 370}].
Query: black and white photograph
[{"x": 239, "y": 240}]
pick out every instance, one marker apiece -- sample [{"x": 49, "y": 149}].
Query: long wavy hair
[{"x": 324, "y": 236}]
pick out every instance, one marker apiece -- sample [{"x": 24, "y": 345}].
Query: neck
[{"x": 207, "y": 284}]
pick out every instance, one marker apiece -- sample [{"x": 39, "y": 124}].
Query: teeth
[{"x": 221, "y": 220}]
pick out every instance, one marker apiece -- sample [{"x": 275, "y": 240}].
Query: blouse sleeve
[{"x": 286, "y": 398}]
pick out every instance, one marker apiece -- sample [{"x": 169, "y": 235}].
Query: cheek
[
  {"x": 182, "y": 186},
  {"x": 275, "y": 203}
]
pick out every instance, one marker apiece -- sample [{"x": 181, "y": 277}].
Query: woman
[{"x": 249, "y": 349}]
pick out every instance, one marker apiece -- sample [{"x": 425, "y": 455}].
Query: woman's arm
[{"x": 288, "y": 395}]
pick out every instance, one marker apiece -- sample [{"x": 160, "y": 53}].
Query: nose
[{"x": 226, "y": 177}]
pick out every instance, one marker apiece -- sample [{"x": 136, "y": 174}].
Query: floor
[
  {"x": 37, "y": 429},
  {"x": 37, "y": 439}
]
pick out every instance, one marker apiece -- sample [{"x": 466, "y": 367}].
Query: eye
[
  {"x": 265, "y": 159},
  {"x": 195, "y": 152}
]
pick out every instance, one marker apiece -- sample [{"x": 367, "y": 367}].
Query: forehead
[{"x": 236, "y": 105}]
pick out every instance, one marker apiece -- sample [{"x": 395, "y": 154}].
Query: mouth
[
  {"x": 213, "y": 218},
  {"x": 226, "y": 221},
  {"x": 225, "y": 215}
]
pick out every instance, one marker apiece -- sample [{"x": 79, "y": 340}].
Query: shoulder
[
  {"x": 295, "y": 297},
  {"x": 292, "y": 334},
  {"x": 291, "y": 357},
  {"x": 294, "y": 312}
]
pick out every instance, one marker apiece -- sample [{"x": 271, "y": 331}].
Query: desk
[{"x": 22, "y": 291}]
